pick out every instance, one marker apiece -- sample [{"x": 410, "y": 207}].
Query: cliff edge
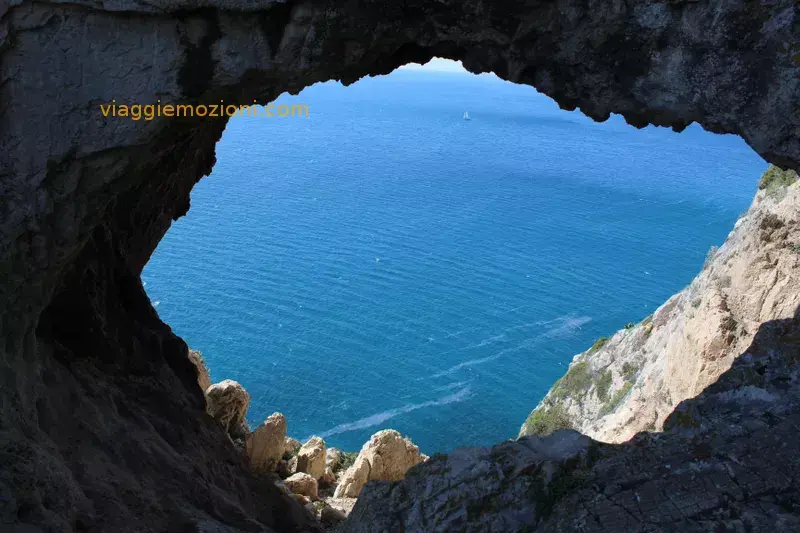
[{"x": 633, "y": 380}]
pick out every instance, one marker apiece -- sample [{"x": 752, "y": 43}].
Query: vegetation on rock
[
  {"x": 544, "y": 421},
  {"x": 776, "y": 180}
]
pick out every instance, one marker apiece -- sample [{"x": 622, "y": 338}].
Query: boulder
[
  {"x": 302, "y": 483},
  {"x": 330, "y": 516},
  {"x": 386, "y": 456},
  {"x": 311, "y": 458},
  {"x": 282, "y": 469},
  {"x": 333, "y": 458},
  {"x": 302, "y": 500},
  {"x": 227, "y": 403},
  {"x": 264, "y": 446},
  {"x": 203, "y": 377},
  {"x": 290, "y": 445},
  {"x": 328, "y": 478}
]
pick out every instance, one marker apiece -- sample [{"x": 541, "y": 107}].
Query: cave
[{"x": 102, "y": 423}]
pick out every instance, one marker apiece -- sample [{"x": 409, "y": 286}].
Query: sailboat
[{"x": 466, "y": 115}]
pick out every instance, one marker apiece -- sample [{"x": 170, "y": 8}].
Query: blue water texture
[{"x": 384, "y": 263}]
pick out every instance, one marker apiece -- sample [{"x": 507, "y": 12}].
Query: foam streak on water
[{"x": 385, "y": 263}]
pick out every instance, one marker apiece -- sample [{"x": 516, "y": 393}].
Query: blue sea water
[{"x": 385, "y": 263}]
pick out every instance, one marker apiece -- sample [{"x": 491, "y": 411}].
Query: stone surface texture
[
  {"x": 264, "y": 446},
  {"x": 311, "y": 458},
  {"x": 203, "y": 377},
  {"x": 102, "y": 420},
  {"x": 302, "y": 483},
  {"x": 386, "y": 456},
  {"x": 638, "y": 377},
  {"x": 227, "y": 403}
]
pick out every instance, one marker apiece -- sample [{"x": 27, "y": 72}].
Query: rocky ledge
[
  {"x": 325, "y": 481},
  {"x": 726, "y": 462},
  {"x": 633, "y": 381}
]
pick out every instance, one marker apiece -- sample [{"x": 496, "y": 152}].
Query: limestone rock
[
  {"x": 327, "y": 479},
  {"x": 311, "y": 458},
  {"x": 227, "y": 403},
  {"x": 302, "y": 483},
  {"x": 203, "y": 377},
  {"x": 387, "y": 456},
  {"x": 264, "y": 446},
  {"x": 290, "y": 445},
  {"x": 330, "y": 516},
  {"x": 301, "y": 499},
  {"x": 282, "y": 469},
  {"x": 333, "y": 458},
  {"x": 633, "y": 380}
]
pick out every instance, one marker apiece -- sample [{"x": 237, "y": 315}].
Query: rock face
[
  {"x": 227, "y": 403},
  {"x": 302, "y": 483},
  {"x": 333, "y": 458},
  {"x": 386, "y": 456},
  {"x": 290, "y": 445},
  {"x": 85, "y": 198},
  {"x": 632, "y": 381},
  {"x": 264, "y": 447},
  {"x": 203, "y": 377},
  {"x": 723, "y": 463},
  {"x": 311, "y": 458}
]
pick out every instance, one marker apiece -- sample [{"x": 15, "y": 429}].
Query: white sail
[{"x": 466, "y": 115}]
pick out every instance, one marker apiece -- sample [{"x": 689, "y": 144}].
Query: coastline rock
[
  {"x": 290, "y": 446},
  {"x": 302, "y": 483},
  {"x": 330, "y": 516},
  {"x": 311, "y": 458},
  {"x": 203, "y": 377},
  {"x": 301, "y": 499},
  {"x": 282, "y": 469},
  {"x": 264, "y": 446},
  {"x": 333, "y": 458},
  {"x": 227, "y": 403},
  {"x": 633, "y": 380},
  {"x": 387, "y": 456},
  {"x": 328, "y": 478}
]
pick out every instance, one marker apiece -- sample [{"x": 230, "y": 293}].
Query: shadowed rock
[{"x": 103, "y": 424}]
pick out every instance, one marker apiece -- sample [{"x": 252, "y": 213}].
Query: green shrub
[
  {"x": 599, "y": 343},
  {"x": 629, "y": 371},
  {"x": 775, "y": 180},
  {"x": 578, "y": 379},
  {"x": 630, "y": 325},
  {"x": 544, "y": 421},
  {"x": 614, "y": 402},
  {"x": 603, "y": 384},
  {"x": 348, "y": 458}
]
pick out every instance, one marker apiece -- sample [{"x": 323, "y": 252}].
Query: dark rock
[{"x": 101, "y": 414}]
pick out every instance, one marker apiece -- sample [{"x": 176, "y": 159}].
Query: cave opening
[{"x": 386, "y": 263}]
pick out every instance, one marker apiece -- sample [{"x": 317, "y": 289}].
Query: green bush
[
  {"x": 544, "y": 421},
  {"x": 578, "y": 379},
  {"x": 630, "y": 325},
  {"x": 614, "y": 402},
  {"x": 603, "y": 384},
  {"x": 599, "y": 343},
  {"x": 348, "y": 458},
  {"x": 629, "y": 371},
  {"x": 775, "y": 180}
]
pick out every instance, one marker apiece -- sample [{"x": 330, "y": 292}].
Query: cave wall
[{"x": 93, "y": 386}]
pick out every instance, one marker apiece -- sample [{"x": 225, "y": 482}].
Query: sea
[{"x": 385, "y": 263}]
